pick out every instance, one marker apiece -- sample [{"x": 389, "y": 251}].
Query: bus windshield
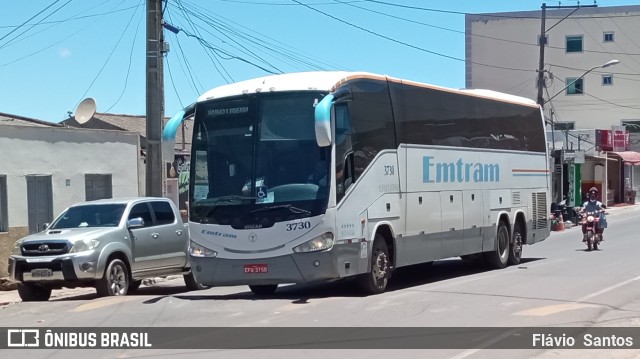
[{"x": 256, "y": 161}]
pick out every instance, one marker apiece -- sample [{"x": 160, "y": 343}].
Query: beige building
[{"x": 502, "y": 54}]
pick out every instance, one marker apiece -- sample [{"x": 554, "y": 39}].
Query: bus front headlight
[
  {"x": 320, "y": 243},
  {"x": 196, "y": 250}
]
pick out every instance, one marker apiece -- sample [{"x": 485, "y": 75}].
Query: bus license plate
[
  {"x": 256, "y": 268},
  {"x": 42, "y": 272}
]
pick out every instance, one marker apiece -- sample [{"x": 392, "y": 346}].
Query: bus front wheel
[{"x": 375, "y": 282}]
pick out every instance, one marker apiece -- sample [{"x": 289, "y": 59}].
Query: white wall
[
  {"x": 601, "y": 106},
  {"x": 65, "y": 154}
]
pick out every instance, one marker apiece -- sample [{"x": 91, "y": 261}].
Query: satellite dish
[{"x": 85, "y": 110}]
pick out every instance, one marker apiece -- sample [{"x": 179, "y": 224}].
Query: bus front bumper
[{"x": 339, "y": 262}]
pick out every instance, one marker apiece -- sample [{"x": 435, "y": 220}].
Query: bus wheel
[
  {"x": 263, "y": 289},
  {"x": 515, "y": 253},
  {"x": 375, "y": 282},
  {"x": 499, "y": 257}
]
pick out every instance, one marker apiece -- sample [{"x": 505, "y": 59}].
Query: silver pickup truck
[{"x": 110, "y": 244}]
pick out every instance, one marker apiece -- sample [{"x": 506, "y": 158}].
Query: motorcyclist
[{"x": 592, "y": 205}]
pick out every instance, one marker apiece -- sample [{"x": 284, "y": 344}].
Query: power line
[
  {"x": 260, "y": 40},
  {"x": 32, "y": 26},
  {"x": 108, "y": 58},
  {"x": 57, "y": 42},
  {"x": 173, "y": 84},
  {"x": 407, "y": 44},
  {"x": 605, "y": 101},
  {"x": 126, "y": 80},
  {"x": 226, "y": 31},
  {"x": 74, "y": 18},
  {"x": 486, "y": 15},
  {"x": 211, "y": 54}
]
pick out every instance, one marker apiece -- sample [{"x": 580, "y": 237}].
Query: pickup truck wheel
[
  {"x": 33, "y": 293},
  {"x": 191, "y": 282},
  {"x": 115, "y": 280}
]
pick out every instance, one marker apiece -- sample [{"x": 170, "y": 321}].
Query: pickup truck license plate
[
  {"x": 256, "y": 268},
  {"x": 41, "y": 272}
]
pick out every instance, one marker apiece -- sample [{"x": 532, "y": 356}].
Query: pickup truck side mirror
[
  {"x": 135, "y": 223},
  {"x": 45, "y": 226}
]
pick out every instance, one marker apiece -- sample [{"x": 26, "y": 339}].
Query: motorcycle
[{"x": 591, "y": 235}]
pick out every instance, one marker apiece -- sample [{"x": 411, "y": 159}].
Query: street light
[{"x": 610, "y": 63}]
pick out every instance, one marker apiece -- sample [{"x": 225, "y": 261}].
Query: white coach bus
[{"x": 315, "y": 176}]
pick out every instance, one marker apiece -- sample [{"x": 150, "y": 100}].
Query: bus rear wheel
[
  {"x": 375, "y": 282},
  {"x": 263, "y": 289},
  {"x": 515, "y": 255}
]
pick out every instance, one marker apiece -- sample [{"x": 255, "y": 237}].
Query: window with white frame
[
  {"x": 574, "y": 43},
  {"x": 608, "y": 37},
  {"x": 607, "y": 80},
  {"x": 576, "y": 86}
]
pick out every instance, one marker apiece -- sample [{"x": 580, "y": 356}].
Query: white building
[
  {"x": 46, "y": 167},
  {"x": 502, "y": 54}
]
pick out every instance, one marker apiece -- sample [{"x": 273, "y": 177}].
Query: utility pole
[
  {"x": 542, "y": 43},
  {"x": 556, "y": 178},
  {"x": 155, "y": 99}
]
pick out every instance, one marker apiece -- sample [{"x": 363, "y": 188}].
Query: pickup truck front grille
[{"x": 46, "y": 248}]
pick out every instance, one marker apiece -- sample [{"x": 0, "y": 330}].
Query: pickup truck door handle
[
  {"x": 179, "y": 232},
  {"x": 155, "y": 235}
]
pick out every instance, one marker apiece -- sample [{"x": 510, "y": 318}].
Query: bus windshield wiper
[
  {"x": 291, "y": 208},
  {"x": 210, "y": 205},
  {"x": 225, "y": 199}
]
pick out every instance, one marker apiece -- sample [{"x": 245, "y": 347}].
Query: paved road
[{"x": 557, "y": 284}]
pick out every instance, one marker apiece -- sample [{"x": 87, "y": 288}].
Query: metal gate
[{"x": 39, "y": 201}]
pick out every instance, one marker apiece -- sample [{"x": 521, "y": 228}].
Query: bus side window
[
  {"x": 344, "y": 149},
  {"x": 349, "y": 178}
]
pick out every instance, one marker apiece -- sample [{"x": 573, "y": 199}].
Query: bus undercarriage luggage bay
[{"x": 314, "y": 176}]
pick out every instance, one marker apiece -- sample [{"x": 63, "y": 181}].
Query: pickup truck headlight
[
  {"x": 16, "y": 251},
  {"x": 84, "y": 245},
  {"x": 320, "y": 243},
  {"x": 196, "y": 250}
]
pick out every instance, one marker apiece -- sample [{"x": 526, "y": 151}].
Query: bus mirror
[{"x": 323, "y": 121}]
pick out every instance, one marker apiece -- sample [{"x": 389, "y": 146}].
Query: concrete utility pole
[
  {"x": 556, "y": 176},
  {"x": 155, "y": 99},
  {"x": 543, "y": 42}
]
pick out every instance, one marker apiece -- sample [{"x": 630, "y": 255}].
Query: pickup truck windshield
[{"x": 95, "y": 215}]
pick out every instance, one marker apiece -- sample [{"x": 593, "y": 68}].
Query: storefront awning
[{"x": 629, "y": 157}]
